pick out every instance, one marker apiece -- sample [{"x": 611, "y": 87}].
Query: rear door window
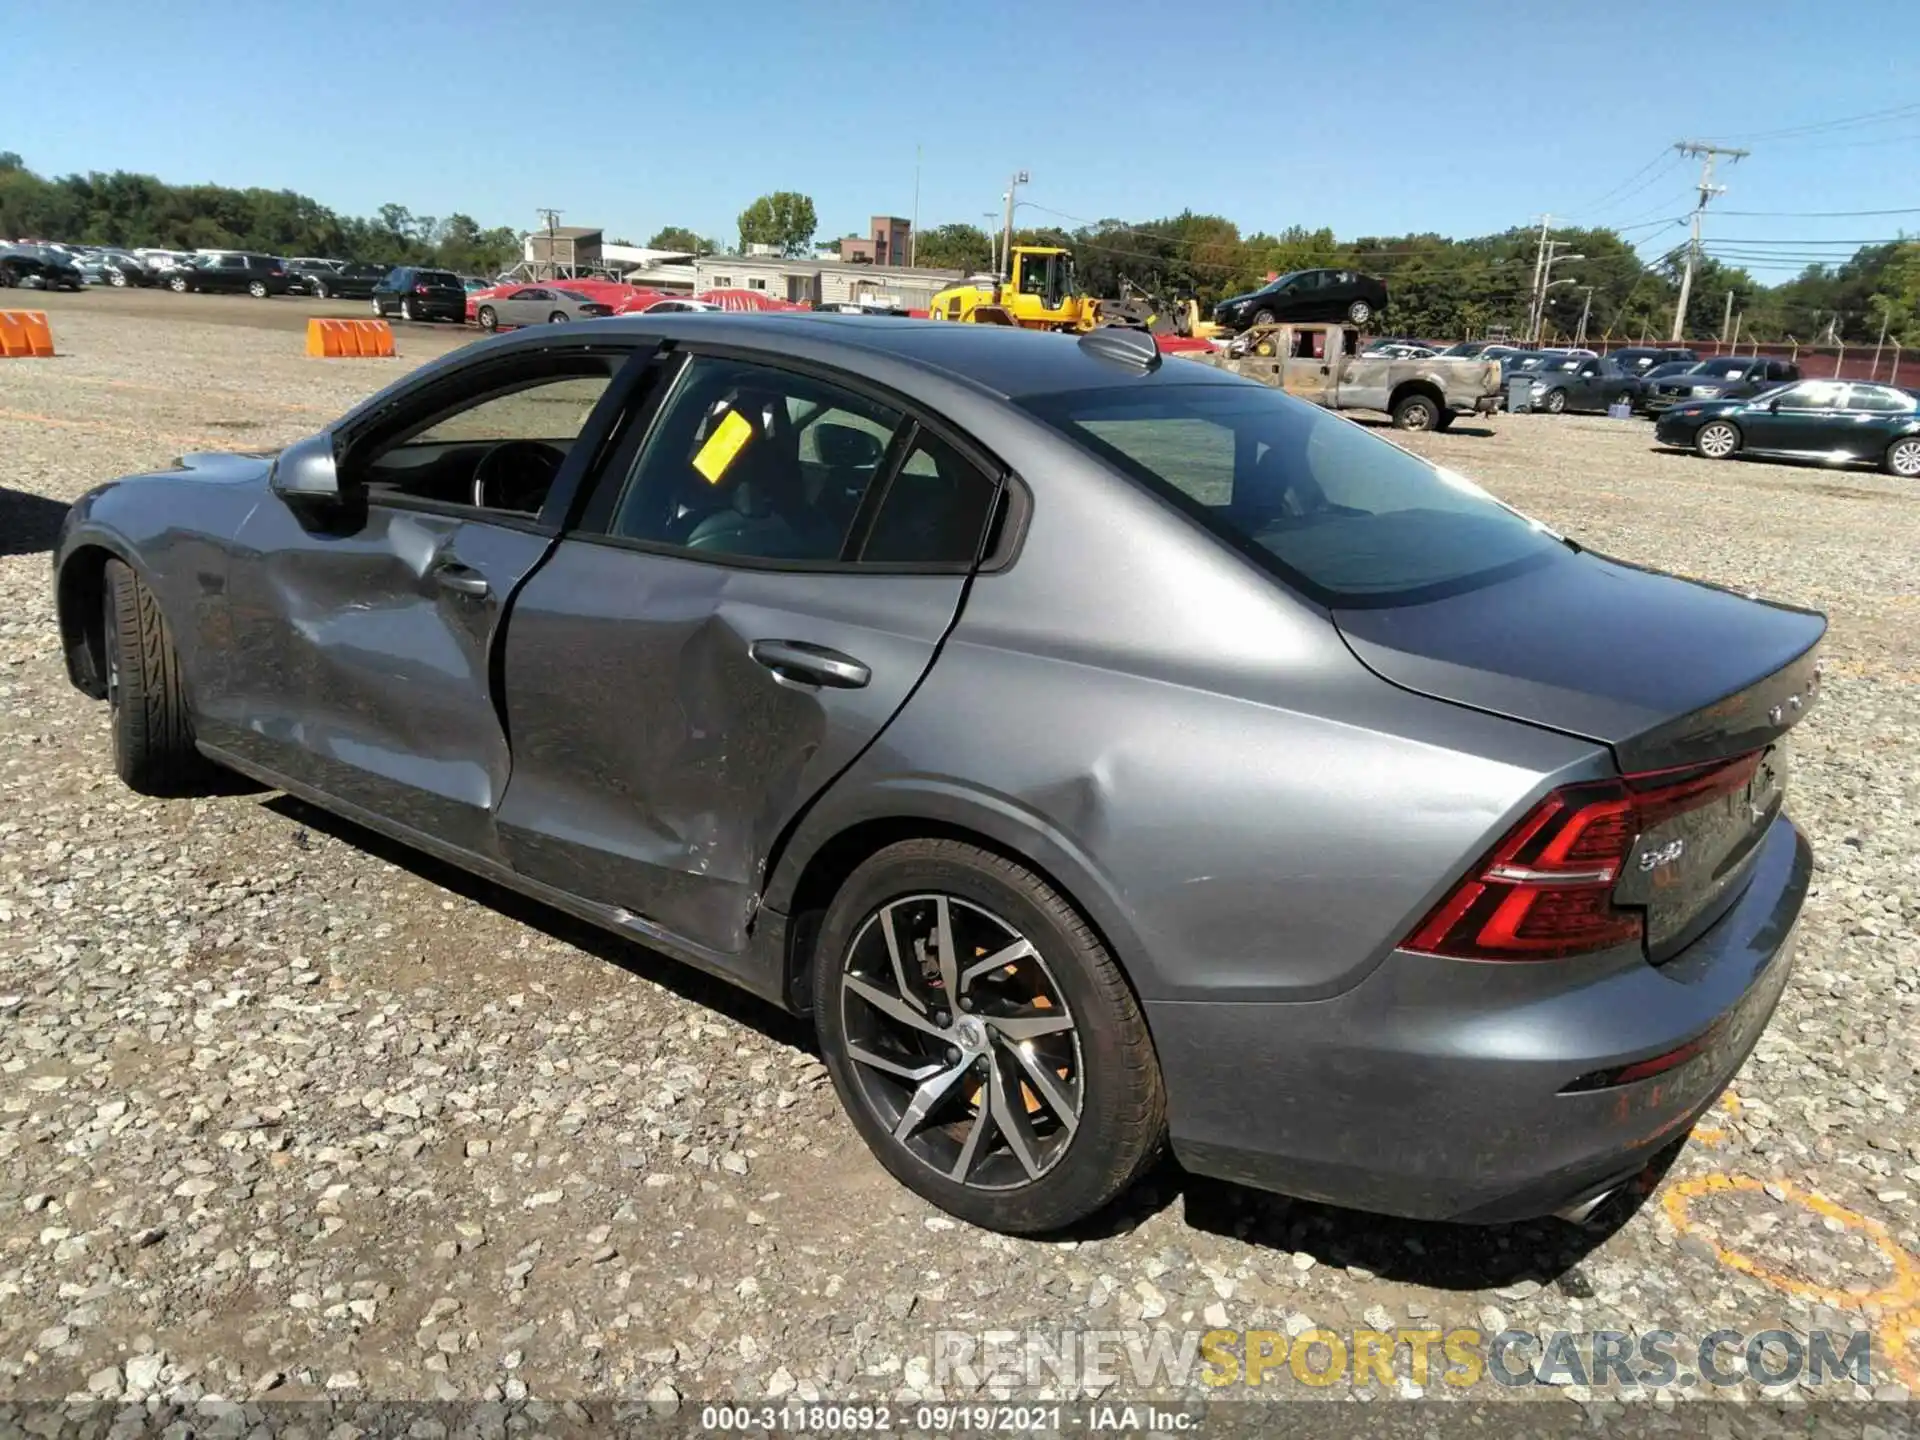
[{"x": 1331, "y": 509}]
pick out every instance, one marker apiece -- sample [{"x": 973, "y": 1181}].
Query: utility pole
[
  {"x": 1586, "y": 309},
  {"x": 1006, "y": 248},
  {"x": 1708, "y": 154},
  {"x": 1547, "y": 282},
  {"x": 1874, "y": 374},
  {"x": 1726, "y": 320},
  {"x": 1539, "y": 269},
  {"x": 913, "y": 227},
  {"x": 552, "y": 217},
  {"x": 993, "y": 237}
]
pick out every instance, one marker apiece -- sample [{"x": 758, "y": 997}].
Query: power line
[
  {"x": 1818, "y": 214},
  {"x": 1592, "y": 205},
  {"x": 1870, "y": 117}
]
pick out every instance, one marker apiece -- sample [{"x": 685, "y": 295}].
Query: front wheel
[
  {"x": 378, "y": 308},
  {"x": 1359, "y": 312},
  {"x": 1416, "y": 412},
  {"x": 1903, "y": 458},
  {"x": 487, "y": 319},
  {"x": 257, "y": 289},
  {"x": 1717, "y": 440},
  {"x": 320, "y": 291},
  {"x": 1265, "y": 317},
  {"x": 153, "y": 748},
  {"x": 983, "y": 1041},
  {"x": 178, "y": 285},
  {"x": 1555, "y": 403},
  {"x": 117, "y": 279},
  {"x": 1625, "y": 397}
]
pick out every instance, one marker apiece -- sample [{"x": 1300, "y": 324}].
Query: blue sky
[{"x": 1378, "y": 117}]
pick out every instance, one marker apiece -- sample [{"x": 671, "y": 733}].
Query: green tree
[
  {"x": 784, "y": 219},
  {"x": 678, "y": 237},
  {"x": 953, "y": 247}
]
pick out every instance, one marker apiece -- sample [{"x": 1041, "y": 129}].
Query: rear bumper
[{"x": 1435, "y": 1088}]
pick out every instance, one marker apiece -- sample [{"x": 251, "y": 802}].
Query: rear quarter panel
[{"x": 1192, "y": 754}]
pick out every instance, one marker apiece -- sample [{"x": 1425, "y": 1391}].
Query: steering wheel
[{"x": 516, "y": 475}]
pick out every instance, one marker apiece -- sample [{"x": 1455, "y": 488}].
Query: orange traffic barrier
[
  {"x": 24, "y": 333},
  {"x": 337, "y": 338}
]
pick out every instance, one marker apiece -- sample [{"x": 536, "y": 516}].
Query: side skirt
[{"x": 757, "y": 970}]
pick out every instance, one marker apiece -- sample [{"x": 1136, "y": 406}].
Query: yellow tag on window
[{"x": 729, "y": 437}]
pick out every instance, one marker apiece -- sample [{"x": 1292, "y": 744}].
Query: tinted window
[
  {"x": 730, "y": 468},
  {"x": 438, "y": 277},
  {"x": 1722, "y": 369},
  {"x": 1337, "y": 511},
  {"x": 935, "y": 509},
  {"x": 1879, "y": 399}
]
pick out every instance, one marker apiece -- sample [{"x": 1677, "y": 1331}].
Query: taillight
[
  {"x": 419, "y": 289},
  {"x": 1546, "y": 890}
]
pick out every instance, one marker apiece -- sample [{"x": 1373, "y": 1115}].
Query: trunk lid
[{"x": 1670, "y": 674}]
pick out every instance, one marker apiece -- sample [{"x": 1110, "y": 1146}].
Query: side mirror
[
  {"x": 305, "y": 470},
  {"x": 1773, "y": 406}
]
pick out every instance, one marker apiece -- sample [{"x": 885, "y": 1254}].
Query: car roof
[{"x": 1008, "y": 361}]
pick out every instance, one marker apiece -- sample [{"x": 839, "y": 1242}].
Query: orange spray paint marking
[{"x": 1897, "y": 1301}]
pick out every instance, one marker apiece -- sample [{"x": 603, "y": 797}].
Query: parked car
[
  {"x": 1306, "y": 295},
  {"x": 677, "y": 306},
  {"x": 535, "y": 305},
  {"x": 1832, "y": 421},
  {"x": 1730, "y": 377},
  {"x": 108, "y": 265},
  {"x": 1401, "y": 349},
  {"x": 1639, "y": 359},
  {"x": 1571, "y": 382},
  {"x": 230, "y": 273},
  {"x": 38, "y": 266},
  {"x": 418, "y": 294},
  {"x": 1478, "y": 349},
  {"x": 1496, "y": 897},
  {"x": 340, "y": 280}
]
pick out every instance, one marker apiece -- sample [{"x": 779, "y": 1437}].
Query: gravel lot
[{"x": 286, "y": 1111}]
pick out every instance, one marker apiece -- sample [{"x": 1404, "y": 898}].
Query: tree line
[
  {"x": 1440, "y": 286},
  {"x": 132, "y": 210}
]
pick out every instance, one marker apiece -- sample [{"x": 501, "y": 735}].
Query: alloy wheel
[
  {"x": 961, "y": 1041},
  {"x": 1556, "y": 402},
  {"x": 1717, "y": 441},
  {"x": 1904, "y": 458}
]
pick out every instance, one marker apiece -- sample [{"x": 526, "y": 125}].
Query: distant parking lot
[{"x": 287, "y": 1110}]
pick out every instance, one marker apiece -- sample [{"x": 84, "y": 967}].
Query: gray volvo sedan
[{"x": 1105, "y": 751}]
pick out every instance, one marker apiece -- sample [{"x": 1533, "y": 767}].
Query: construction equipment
[{"x": 1039, "y": 293}]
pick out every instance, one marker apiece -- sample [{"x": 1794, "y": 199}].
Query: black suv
[
  {"x": 231, "y": 272},
  {"x": 1730, "y": 377},
  {"x": 1344, "y": 295},
  {"x": 415, "y": 294}
]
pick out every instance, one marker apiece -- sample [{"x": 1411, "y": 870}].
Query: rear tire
[
  {"x": 406, "y": 310},
  {"x": 1034, "y": 1171},
  {"x": 320, "y": 291},
  {"x": 1716, "y": 440},
  {"x": 257, "y": 289},
  {"x": 1416, "y": 412},
  {"x": 1359, "y": 313},
  {"x": 178, "y": 285},
  {"x": 1903, "y": 458},
  {"x": 558, "y": 317},
  {"x": 153, "y": 748},
  {"x": 487, "y": 319}
]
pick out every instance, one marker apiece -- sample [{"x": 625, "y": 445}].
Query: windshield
[
  {"x": 1721, "y": 369},
  {"x": 1342, "y": 515}
]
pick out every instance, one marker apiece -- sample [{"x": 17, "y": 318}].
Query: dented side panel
[{"x": 655, "y": 761}]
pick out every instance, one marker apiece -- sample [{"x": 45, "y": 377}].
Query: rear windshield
[
  {"x": 1335, "y": 511},
  {"x": 438, "y": 277}
]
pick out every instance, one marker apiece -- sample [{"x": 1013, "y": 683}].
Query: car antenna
[{"x": 1123, "y": 345}]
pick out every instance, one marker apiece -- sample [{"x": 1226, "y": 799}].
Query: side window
[
  {"x": 935, "y": 509},
  {"x": 746, "y": 460},
  {"x": 1879, "y": 399},
  {"x": 1813, "y": 395},
  {"x": 505, "y": 442}
]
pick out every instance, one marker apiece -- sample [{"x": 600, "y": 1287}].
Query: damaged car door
[{"x": 762, "y": 574}]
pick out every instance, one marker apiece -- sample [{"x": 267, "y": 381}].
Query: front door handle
[
  {"x": 461, "y": 579},
  {"x": 810, "y": 664}
]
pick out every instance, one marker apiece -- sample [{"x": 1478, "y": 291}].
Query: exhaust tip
[{"x": 1576, "y": 1214}]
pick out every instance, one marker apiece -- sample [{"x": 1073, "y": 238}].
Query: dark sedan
[
  {"x": 1344, "y": 295},
  {"x": 1831, "y": 421},
  {"x": 339, "y": 280},
  {"x": 1318, "y": 827},
  {"x": 1729, "y": 377}
]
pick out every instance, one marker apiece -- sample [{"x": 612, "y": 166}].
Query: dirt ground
[{"x": 287, "y": 1111}]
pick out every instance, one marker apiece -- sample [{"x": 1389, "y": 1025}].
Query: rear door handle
[
  {"x": 810, "y": 664},
  {"x": 461, "y": 579}
]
